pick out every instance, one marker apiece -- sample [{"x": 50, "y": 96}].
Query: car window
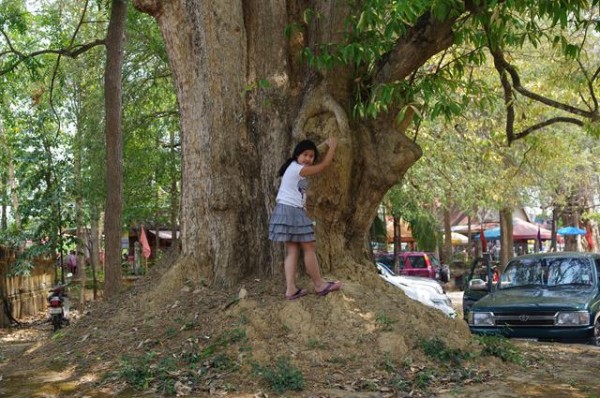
[
  {"x": 387, "y": 261},
  {"x": 384, "y": 269},
  {"x": 598, "y": 269},
  {"x": 547, "y": 271},
  {"x": 417, "y": 261},
  {"x": 435, "y": 262}
]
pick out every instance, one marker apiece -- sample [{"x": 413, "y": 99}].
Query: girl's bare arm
[{"x": 319, "y": 167}]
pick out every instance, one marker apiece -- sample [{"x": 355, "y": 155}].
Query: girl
[{"x": 289, "y": 222}]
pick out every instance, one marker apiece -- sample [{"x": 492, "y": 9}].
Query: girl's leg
[
  {"x": 292, "y": 250},
  {"x": 312, "y": 265}
]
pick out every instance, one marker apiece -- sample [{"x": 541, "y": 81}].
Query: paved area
[{"x": 456, "y": 298}]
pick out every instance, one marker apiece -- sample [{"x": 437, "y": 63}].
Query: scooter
[{"x": 58, "y": 306}]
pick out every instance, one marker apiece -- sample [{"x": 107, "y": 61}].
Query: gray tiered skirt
[{"x": 290, "y": 224}]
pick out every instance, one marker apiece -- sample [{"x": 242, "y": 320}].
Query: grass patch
[
  {"x": 385, "y": 323},
  {"x": 161, "y": 372},
  {"x": 437, "y": 349},
  {"x": 281, "y": 377},
  {"x": 424, "y": 379},
  {"x": 314, "y": 344},
  {"x": 501, "y": 347}
]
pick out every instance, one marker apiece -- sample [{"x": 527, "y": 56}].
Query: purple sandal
[
  {"x": 297, "y": 295},
  {"x": 330, "y": 287}
]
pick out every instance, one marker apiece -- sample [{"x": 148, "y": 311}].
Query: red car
[{"x": 412, "y": 264}]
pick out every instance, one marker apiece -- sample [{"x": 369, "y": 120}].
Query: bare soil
[{"x": 178, "y": 337}]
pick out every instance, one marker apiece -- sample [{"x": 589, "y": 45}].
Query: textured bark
[
  {"x": 235, "y": 135},
  {"x": 79, "y": 221},
  {"x": 94, "y": 247},
  {"x": 506, "y": 235},
  {"x": 12, "y": 188},
  {"x": 447, "y": 257},
  {"x": 114, "y": 146}
]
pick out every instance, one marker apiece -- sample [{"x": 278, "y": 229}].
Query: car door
[{"x": 416, "y": 265}]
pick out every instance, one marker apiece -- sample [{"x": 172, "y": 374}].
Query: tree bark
[
  {"x": 236, "y": 133},
  {"x": 447, "y": 258},
  {"x": 94, "y": 248},
  {"x": 12, "y": 184},
  {"x": 114, "y": 146},
  {"x": 506, "y": 236},
  {"x": 81, "y": 230}
]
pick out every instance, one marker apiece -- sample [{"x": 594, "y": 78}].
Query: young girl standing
[{"x": 289, "y": 222}]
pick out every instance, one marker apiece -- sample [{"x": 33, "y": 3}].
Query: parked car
[
  {"x": 549, "y": 296},
  {"x": 442, "y": 271},
  {"x": 477, "y": 283},
  {"x": 420, "y": 264},
  {"x": 424, "y": 290}
]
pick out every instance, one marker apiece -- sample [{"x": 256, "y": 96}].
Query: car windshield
[
  {"x": 435, "y": 262},
  {"x": 547, "y": 272}
]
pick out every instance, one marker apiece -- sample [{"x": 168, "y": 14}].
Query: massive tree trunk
[{"x": 236, "y": 132}]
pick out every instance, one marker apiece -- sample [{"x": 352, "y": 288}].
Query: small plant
[
  {"x": 388, "y": 363},
  {"x": 502, "y": 348},
  {"x": 171, "y": 332},
  {"x": 237, "y": 335},
  {"x": 436, "y": 348},
  {"x": 243, "y": 318},
  {"x": 223, "y": 362},
  {"x": 385, "y": 322},
  {"x": 401, "y": 384},
  {"x": 313, "y": 343},
  {"x": 136, "y": 371},
  {"x": 283, "y": 376},
  {"x": 423, "y": 379}
]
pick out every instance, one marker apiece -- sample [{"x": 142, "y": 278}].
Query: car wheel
[{"x": 595, "y": 339}]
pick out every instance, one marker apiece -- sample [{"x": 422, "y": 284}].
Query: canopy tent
[
  {"x": 458, "y": 239},
  {"x": 522, "y": 230},
  {"x": 475, "y": 227},
  {"x": 570, "y": 231}
]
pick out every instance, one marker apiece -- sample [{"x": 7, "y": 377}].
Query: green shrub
[
  {"x": 385, "y": 322},
  {"x": 500, "y": 347},
  {"x": 436, "y": 348},
  {"x": 283, "y": 376},
  {"x": 137, "y": 372}
]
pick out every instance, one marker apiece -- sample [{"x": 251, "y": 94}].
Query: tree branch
[
  {"x": 546, "y": 123},
  {"x": 427, "y": 38},
  {"x": 57, "y": 64},
  {"x": 544, "y": 100},
  {"x": 71, "y": 52}
]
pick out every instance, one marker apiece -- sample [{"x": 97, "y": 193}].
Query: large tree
[{"x": 359, "y": 71}]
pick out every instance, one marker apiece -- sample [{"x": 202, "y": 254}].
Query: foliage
[
  {"x": 385, "y": 322},
  {"x": 282, "y": 376},
  {"x": 164, "y": 371},
  {"x": 437, "y": 349},
  {"x": 500, "y": 347},
  {"x": 52, "y": 114},
  {"x": 410, "y": 202},
  {"x": 442, "y": 86}
]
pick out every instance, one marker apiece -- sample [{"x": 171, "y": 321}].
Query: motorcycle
[{"x": 58, "y": 306}]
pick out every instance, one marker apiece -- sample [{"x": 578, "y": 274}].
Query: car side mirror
[{"x": 477, "y": 284}]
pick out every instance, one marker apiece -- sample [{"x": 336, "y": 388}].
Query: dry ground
[{"x": 368, "y": 340}]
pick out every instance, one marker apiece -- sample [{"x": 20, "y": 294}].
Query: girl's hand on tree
[{"x": 331, "y": 142}]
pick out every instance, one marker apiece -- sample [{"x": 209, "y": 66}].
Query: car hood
[
  {"x": 415, "y": 281},
  {"x": 538, "y": 298},
  {"x": 425, "y": 295}
]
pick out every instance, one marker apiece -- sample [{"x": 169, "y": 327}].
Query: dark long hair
[{"x": 302, "y": 146}]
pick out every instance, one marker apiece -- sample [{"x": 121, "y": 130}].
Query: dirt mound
[{"x": 178, "y": 336}]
